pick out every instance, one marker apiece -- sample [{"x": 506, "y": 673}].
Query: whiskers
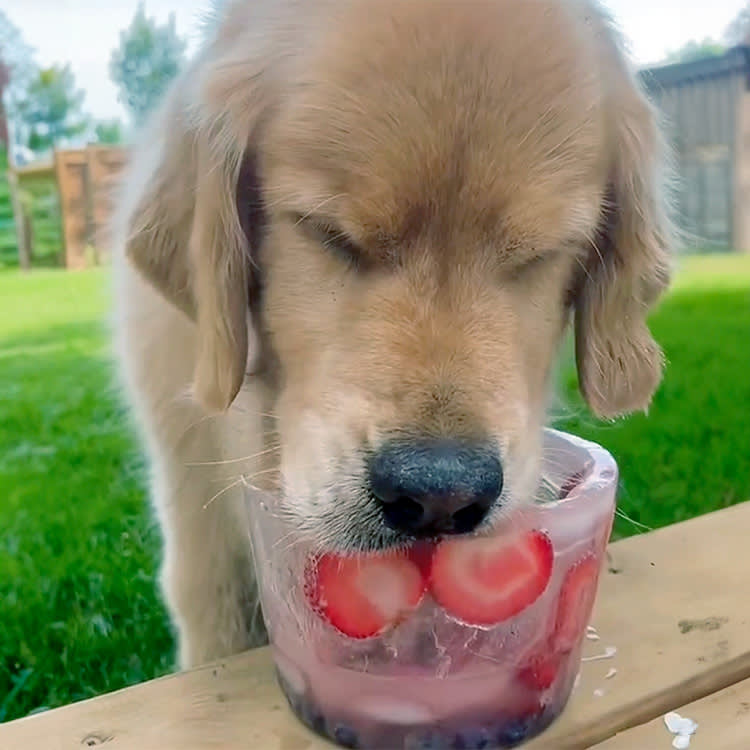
[
  {"x": 237, "y": 409},
  {"x": 641, "y": 527},
  {"x": 552, "y": 483},
  {"x": 246, "y": 480},
  {"x": 229, "y": 461},
  {"x": 223, "y": 491}
]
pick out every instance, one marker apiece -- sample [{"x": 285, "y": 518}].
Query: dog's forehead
[{"x": 451, "y": 117}]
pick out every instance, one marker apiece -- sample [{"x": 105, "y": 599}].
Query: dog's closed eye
[
  {"x": 333, "y": 239},
  {"x": 534, "y": 260}
]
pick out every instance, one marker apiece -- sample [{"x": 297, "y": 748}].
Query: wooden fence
[
  {"x": 85, "y": 179},
  {"x": 62, "y": 206}
]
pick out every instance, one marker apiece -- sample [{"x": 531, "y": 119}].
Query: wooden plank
[
  {"x": 670, "y": 605},
  {"x": 228, "y": 706},
  {"x": 673, "y": 611},
  {"x": 70, "y": 171},
  {"x": 723, "y": 724},
  {"x": 42, "y": 168}
]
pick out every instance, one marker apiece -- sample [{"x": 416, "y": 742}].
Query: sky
[{"x": 84, "y": 32}]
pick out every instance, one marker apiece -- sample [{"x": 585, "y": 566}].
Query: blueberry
[
  {"x": 472, "y": 739},
  {"x": 516, "y": 731},
  {"x": 346, "y": 737},
  {"x": 318, "y": 723},
  {"x": 310, "y": 715},
  {"x": 429, "y": 741}
]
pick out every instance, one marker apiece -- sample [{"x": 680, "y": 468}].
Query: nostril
[
  {"x": 403, "y": 513},
  {"x": 468, "y": 518},
  {"x": 431, "y": 487}
]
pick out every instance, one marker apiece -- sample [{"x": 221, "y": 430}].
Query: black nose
[{"x": 431, "y": 487}]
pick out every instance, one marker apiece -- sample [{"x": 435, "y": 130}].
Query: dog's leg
[{"x": 207, "y": 573}]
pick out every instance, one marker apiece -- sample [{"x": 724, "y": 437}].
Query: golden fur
[{"x": 358, "y": 218}]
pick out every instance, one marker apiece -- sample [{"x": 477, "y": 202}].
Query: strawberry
[
  {"x": 421, "y": 555},
  {"x": 575, "y": 603},
  {"x": 540, "y": 670},
  {"x": 485, "y": 580},
  {"x": 365, "y": 595}
]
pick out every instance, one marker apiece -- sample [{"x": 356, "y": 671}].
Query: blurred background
[{"x": 80, "y": 612}]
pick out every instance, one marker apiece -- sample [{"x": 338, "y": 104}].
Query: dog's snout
[{"x": 431, "y": 487}]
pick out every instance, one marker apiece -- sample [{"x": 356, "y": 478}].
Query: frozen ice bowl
[{"x": 468, "y": 642}]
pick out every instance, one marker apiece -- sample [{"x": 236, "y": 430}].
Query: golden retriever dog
[{"x": 349, "y": 245}]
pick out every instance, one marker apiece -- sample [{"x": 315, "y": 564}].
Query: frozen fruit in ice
[
  {"x": 518, "y": 730},
  {"x": 485, "y": 580},
  {"x": 431, "y": 740},
  {"x": 539, "y": 671},
  {"x": 345, "y": 736},
  {"x": 363, "y": 596},
  {"x": 472, "y": 739},
  {"x": 311, "y": 716},
  {"x": 421, "y": 555},
  {"x": 575, "y": 603}
]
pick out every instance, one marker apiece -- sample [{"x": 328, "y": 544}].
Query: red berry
[
  {"x": 576, "y": 601},
  {"x": 540, "y": 670},
  {"x": 421, "y": 555},
  {"x": 365, "y": 595},
  {"x": 486, "y": 580}
]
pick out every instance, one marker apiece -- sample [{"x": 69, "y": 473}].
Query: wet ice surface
[{"x": 432, "y": 643}]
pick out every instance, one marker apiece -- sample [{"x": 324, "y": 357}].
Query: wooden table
[{"x": 674, "y": 603}]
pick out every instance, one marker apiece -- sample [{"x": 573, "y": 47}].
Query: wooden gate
[{"x": 85, "y": 178}]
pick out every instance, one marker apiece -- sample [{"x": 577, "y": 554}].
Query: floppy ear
[
  {"x": 619, "y": 363},
  {"x": 182, "y": 227}
]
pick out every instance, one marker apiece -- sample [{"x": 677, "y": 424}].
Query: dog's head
[{"x": 402, "y": 204}]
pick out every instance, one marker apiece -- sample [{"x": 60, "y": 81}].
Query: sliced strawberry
[
  {"x": 576, "y": 601},
  {"x": 421, "y": 555},
  {"x": 540, "y": 670},
  {"x": 485, "y": 580},
  {"x": 363, "y": 596}
]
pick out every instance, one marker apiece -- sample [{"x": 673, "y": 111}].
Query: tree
[
  {"x": 51, "y": 110},
  {"x": 109, "y": 132},
  {"x": 148, "y": 58},
  {"x": 4, "y": 82},
  {"x": 18, "y": 59},
  {"x": 695, "y": 50},
  {"x": 738, "y": 32}
]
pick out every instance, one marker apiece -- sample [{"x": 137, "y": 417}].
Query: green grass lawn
[
  {"x": 691, "y": 453},
  {"x": 79, "y": 610},
  {"x": 79, "y": 614}
]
